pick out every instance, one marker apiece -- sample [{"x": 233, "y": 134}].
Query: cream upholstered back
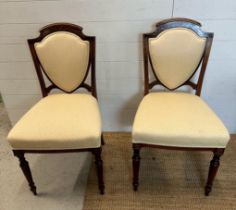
[
  {"x": 175, "y": 54},
  {"x": 64, "y": 57}
]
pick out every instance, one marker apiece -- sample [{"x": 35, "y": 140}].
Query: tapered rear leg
[
  {"x": 102, "y": 139},
  {"x": 99, "y": 166},
  {"x": 136, "y": 166}
]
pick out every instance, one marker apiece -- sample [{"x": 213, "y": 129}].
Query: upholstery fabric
[
  {"x": 175, "y": 54},
  {"x": 59, "y": 121},
  {"x": 64, "y": 57},
  {"x": 179, "y": 120}
]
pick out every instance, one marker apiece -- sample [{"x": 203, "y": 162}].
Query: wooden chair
[
  {"x": 177, "y": 120},
  {"x": 62, "y": 122}
]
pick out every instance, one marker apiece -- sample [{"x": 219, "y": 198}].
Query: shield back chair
[
  {"x": 66, "y": 121},
  {"x": 176, "y": 120}
]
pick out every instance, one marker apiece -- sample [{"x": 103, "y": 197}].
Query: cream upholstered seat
[
  {"x": 68, "y": 121},
  {"x": 175, "y": 51},
  {"x": 59, "y": 121},
  {"x": 178, "y": 120}
]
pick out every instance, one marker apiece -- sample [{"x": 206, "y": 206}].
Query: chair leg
[
  {"x": 99, "y": 166},
  {"x": 214, "y": 165},
  {"x": 136, "y": 165},
  {"x": 26, "y": 169},
  {"x": 102, "y": 139}
]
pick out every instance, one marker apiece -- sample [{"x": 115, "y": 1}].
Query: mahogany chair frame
[
  {"x": 47, "y": 30},
  {"x": 160, "y": 27}
]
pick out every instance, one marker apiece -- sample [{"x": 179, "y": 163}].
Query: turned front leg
[
  {"x": 26, "y": 170},
  {"x": 214, "y": 165}
]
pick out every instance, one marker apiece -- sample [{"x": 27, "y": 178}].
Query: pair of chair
[{"x": 67, "y": 122}]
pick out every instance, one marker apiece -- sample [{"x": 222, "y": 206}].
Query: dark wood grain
[
  {"x": 214, "y": 165},
  {"x": 26, "y": 170},
  {"x": 99, "y": 166},
  {"x": 136, "y": 166}
]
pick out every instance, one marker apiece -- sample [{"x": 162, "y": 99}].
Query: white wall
[{"x": 118, "y": 25}]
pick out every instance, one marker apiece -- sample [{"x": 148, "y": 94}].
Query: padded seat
[
  {"x": 178, "y": 120},
  {"x": 59, "y": 121}
]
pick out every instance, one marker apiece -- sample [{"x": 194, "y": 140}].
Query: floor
[
  {"x": 61, "y": 179},
  {"x": 169, "y": 180}
]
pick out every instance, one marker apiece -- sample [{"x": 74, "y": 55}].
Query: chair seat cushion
[
  {"x": 59, "y": 121},
  {"x": 178, "y": 120}
]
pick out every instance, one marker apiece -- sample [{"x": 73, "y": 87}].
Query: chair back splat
[
  {"x": 176, "y": 50},
  {"x": 64, "y": 55}
]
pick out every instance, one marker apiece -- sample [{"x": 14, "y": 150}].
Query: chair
[
  {"x": 61, "y": 122},
  {"x": 177, "y": 120}
]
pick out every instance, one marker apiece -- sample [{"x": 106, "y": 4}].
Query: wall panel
[{"x": 118, "y": 26}]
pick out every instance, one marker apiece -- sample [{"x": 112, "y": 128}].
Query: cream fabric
[
  {"x": 175, "y": 54},
  {"x": 60, "y": 121},
  {"x": 179, "y": 120},
  {"x": 64, "y": 57}
]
